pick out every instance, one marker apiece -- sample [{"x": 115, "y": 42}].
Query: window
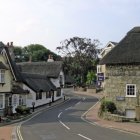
[
  {"x": 10, "y": 101},
  {"x": 50, "y": 94},
  {"x": 2, "y": 76},
  {"x": 47, "y": 94},
  {"x": 58, "y": 92},
  {"x": 21, "y": 100},
  {"x": 130, "y": 90},
  {"x": 99, "y": 69},
  {"x": 61, "y": 80},
  {"x": 39, "y": 95},
  {"x": 1, "y": 101}
]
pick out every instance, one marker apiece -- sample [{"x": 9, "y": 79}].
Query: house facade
[
  {"x": 122, "y": 84},
  {"x": 51, "y": 70},
  {"x": 101, "y": 69},
  {"x": 9, "y": 83},
  {"x": 18, "y": 87}
]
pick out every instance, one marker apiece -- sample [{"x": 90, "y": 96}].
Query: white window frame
[
  {"x": 3, "y": 102},
  {"x": 2, "y": 75},
  {"x": 134, "y": 90}
]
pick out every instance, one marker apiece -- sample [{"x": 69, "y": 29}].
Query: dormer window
[{"x": 2, "y": 76}]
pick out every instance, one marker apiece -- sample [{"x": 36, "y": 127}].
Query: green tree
[
  {"x": 81, "y": 54},
  {"x": 91, "y": 77},
  {"x": 18, "y": 54},
  {"x": 36, "y": 52}
]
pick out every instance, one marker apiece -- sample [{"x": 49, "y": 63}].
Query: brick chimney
[{"x": 11, "y": 50}]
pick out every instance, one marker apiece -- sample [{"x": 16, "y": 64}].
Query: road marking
[
  {"x": 59, "y": 114},
  {"x": 84, "y": 98},
  {"x": 19, "y": 126},
  {"x": 68, "y": 108},
  {"x": 40, "y": 111},
  {"x": 82, "y": 117},
  {"x": 84, "y": 137},
  {"x": 78, "y": 103},
  {"x": 18, "y": 132},
  {"x": 64, "y": 125}
]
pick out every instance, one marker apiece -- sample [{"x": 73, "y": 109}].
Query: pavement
[
  {"x": 8, "y": 130},
  {"x": 91, "y": 115}
]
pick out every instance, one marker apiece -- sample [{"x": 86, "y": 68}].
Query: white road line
[
  {"x": 68, "y": 108},
  {"x": 82, "y": 117},
  {"x": 18, "y": 127},
  {"x": 78, "y": 103},
  {"x": 64, "y": 125},
  {"x": 59, "y": 114},
  {"x": 84, "y": 98},
  {"x": 84, "y": 137},
  {"x": 18, "y": 132}
]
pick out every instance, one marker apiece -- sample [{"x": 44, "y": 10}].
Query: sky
[{"x": 48, "y": 22}]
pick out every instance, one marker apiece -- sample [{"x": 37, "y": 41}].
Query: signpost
[{"x": 100, "y": 76}]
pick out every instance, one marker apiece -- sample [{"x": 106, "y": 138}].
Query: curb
[
  {"x": 38, "y": 111},
  {"x": 83, "y": 117}
]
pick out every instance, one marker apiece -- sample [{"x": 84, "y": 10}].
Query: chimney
[
  {"x": 50, "y": 58},
  {"x": 7, "y": 44},
  {"x": 11, "y": 50},
  {"x": 11, "y": 44}
]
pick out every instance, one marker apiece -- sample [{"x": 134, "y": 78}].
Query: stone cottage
[{"x": 122, "y": 84}]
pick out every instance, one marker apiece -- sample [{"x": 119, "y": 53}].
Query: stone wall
[{"x": 115, "y": 85}]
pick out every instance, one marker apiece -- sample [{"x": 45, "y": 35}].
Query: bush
[
  {"x": 23, "y": 110},
  {"x": 108, "y": 106}
]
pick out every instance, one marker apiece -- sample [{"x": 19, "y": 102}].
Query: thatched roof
[
  {"x": 127, "y": 51},
  {"x": 1, "y": 46},
  {"x": 18, "y": 90},
  {"x": 49, "y": 69},
  {"x": 38, "y": 82}
]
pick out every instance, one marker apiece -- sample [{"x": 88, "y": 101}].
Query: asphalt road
[{"x": 64, "y": 123}]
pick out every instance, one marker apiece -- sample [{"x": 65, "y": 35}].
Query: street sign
[{"x": 100, "y": 76}]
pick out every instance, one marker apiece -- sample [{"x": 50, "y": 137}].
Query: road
[{"x": 64, "y": 122}]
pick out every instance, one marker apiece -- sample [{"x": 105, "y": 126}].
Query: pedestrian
[{"x": 64, "y": 97}]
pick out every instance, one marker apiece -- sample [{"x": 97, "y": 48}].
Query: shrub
[
  {"x": 23, "y": 110},
  {"x": 108, "y": 106}
]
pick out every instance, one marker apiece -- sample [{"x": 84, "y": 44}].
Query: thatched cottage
[
  {"x": 29, "y": 83},
  {"x": 122, "y": 84}
]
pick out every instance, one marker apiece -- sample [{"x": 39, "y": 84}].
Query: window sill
[{"x": 127, "y": 96}]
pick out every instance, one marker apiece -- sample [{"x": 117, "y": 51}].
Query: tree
[
  {"x": 91, "y": 78},
  {"x": 36, "y": 52},
  {"x": 80, "y": 55},
  {"x": 33, "y": 51},
  {"x": 18, "y": 54}
]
